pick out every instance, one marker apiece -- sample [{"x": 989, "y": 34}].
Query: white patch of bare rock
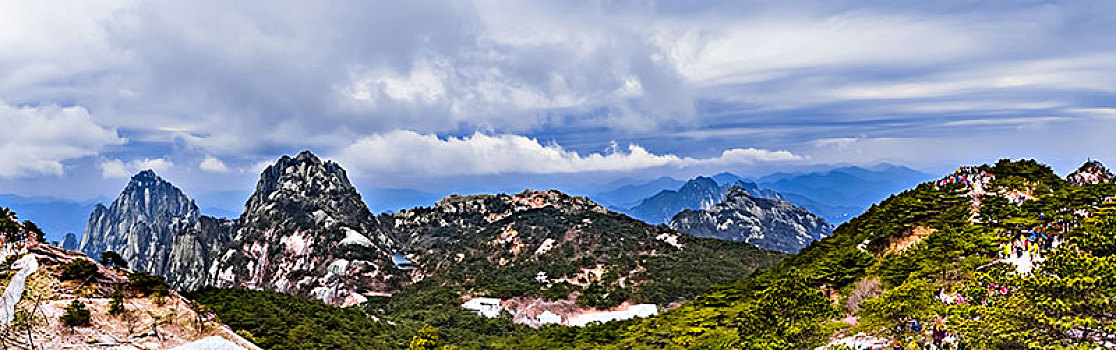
[{"x": 1092, "y": 172}]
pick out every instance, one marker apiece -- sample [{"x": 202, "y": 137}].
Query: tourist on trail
[{"x": 939, "y": 333}]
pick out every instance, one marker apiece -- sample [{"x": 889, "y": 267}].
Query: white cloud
[
  {"x": 759, "y": 48},
  {"x": 44, "y": 44},
  {"x": 213, "y": 165},
  {"x": 1007, "y": 121},
  {"x": 37, "y": 140},
  {"x": 116, "y": 168},
  {"x": 206, "y": 77},
  {"x": 408, "y": 152}
]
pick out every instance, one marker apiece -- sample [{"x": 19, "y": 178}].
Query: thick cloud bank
[{"x": 407, "y": 152}]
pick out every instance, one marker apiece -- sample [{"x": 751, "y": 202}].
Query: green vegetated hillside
[
  {"x": 497, "y": 246},
  {"x": 638, "y": 263},
  {"x": 933, "y": 252},
  {"x": 952, "y": 246}
]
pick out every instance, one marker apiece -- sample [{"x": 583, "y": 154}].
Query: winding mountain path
[{"x": 26, "y": 265}]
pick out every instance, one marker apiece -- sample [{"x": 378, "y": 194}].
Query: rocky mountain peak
[
  {"x": 768, "y": 223},
  {"x": 1092, "y": 172},
  {"x": 528, "y": 199},
  {"x": 698, "y": 193},
  {"x": 149, "y": 195},
  {"x": 304, "y": 178},
  {"x": 144, "y": 226},
  {"x": 306, "y": 231},
  {"x": 700, "y": 183},
  {"x": 496, "y": 207},
  {"x": 70, "y": 242},
  {"x": 737, "y": 192}
]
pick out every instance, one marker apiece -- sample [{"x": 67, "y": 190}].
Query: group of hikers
[
  {"x": 971, "y": 177},
  {"x": 1032, "y": 242},
  {"x": 938, "y": 334}
]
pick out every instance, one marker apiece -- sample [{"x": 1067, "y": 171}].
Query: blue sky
[{"x": 475, "y": 95}]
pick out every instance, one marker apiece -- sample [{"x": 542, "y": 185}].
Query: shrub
[
  {"x": 116, "y": 303},
  {"x": 145, "y": 283},
  {"x": 76, "y": 315},
  {"x": 111, "y": 258},
  {"x": 78, "y": 269}
]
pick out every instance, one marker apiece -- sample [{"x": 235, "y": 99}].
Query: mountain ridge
[
  {"x": 307, "y": 231},
  {"x": 769, "y": 223}
]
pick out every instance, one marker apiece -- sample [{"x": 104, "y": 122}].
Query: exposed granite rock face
[
  {"x": 70, "y": 242},
  {"x": 306, "y": 231},
  {"x": 451, "y": 219},
  {"x": 1092, "y": 172},
  {"x": 767, "y": 223},
  {"x": 195, "y": 247},
  {"x": 152, "y": 226}
]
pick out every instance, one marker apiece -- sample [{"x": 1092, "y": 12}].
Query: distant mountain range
[
  {"x": 836, "y": 195},
  {"x": 56, "y": 217},
  {"x": 698, "y": 193},
  {"x": 847, "y": 186},
  {"x": 629, "y": 195}
]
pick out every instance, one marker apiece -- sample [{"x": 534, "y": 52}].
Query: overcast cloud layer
[{"x": 207, "y": 92}]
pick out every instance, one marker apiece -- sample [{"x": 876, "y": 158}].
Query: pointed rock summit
[
  {"x": 306, "y": 231},
  {"x": 304, "y": 177},
  {"x": 138, "y": 221},
  {"x": 70, "y": 242},
  {"x": 156, "y": 227},
  {"x": 764, "y": 222},
  {"x": 1092, "y": 172}
]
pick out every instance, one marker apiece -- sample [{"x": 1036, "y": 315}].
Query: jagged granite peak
[
  {"x": 754, "y": 190},
  {"x": 70, "y": 242},
  {"x": 1092, "y": 172},
  {"x": 139, "y": 220},
  {"x": 304, "y": 176},
  {"x": 306, "y": 231},
  {"x": 145, "y": 225},
  {"x": 764, "y": 222}
]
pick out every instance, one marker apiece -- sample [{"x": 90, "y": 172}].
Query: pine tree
[
  {"x": 111, "y": 258},
  {"x": 32, "y": 229},
  {"x": 76, "y": 315},
  {"x": 116, "y": 303}
]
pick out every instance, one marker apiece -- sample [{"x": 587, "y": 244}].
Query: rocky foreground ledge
[{"x": 39, "y": 287}]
